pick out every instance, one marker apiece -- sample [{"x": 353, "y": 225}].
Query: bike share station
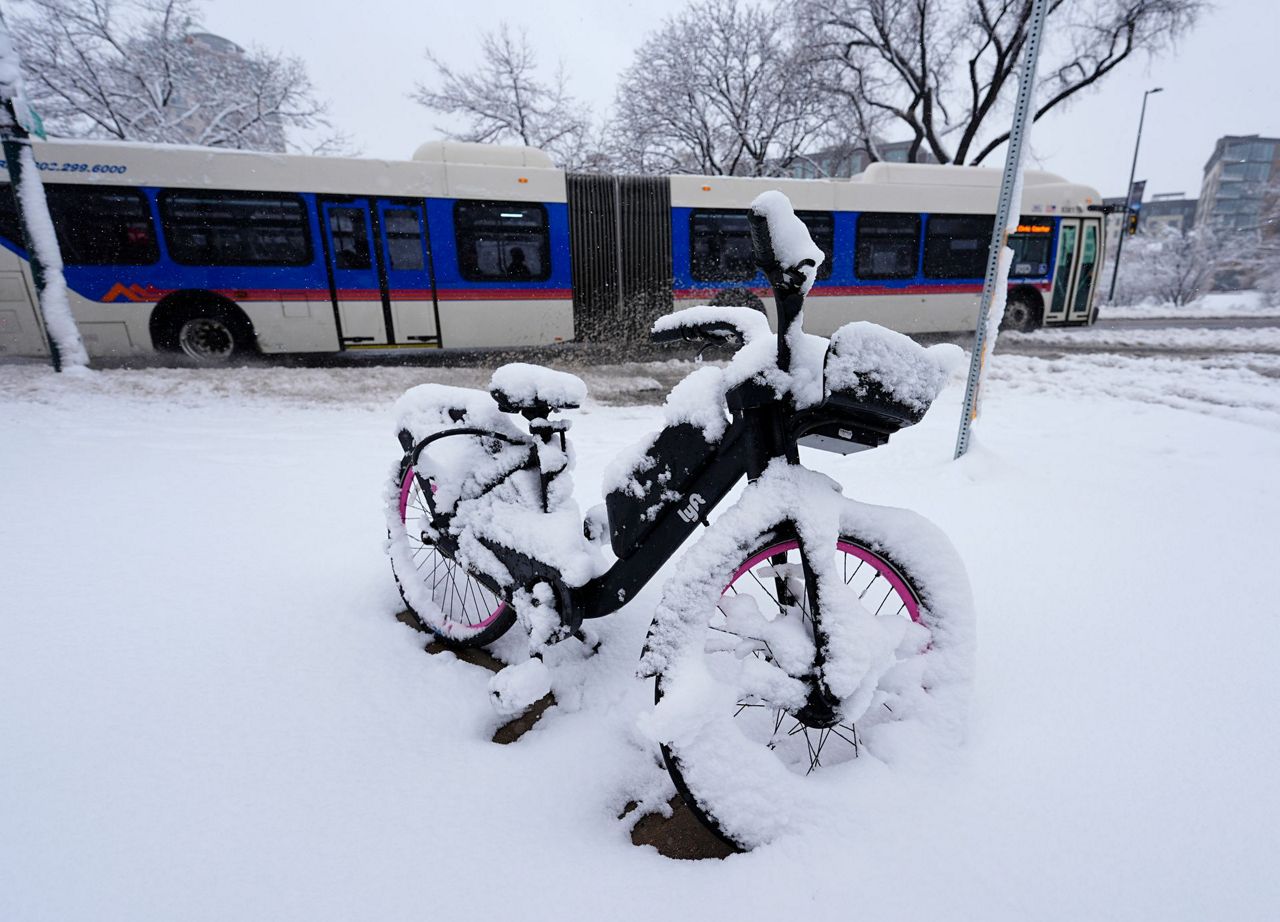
[{"x": 778, "y": 600}]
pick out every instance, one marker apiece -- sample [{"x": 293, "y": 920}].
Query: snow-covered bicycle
[{"x": 800, "y": 629}]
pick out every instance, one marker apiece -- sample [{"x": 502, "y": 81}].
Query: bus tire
[
  {"x": 208, "y": 329},
  {"x": 1023, "y": 312}
]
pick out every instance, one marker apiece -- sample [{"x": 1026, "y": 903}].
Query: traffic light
[{"x": 1133, "y": 222}]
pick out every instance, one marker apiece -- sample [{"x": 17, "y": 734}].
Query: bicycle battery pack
[{"x": 656, "y": 484}]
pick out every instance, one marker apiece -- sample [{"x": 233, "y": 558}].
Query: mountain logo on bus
[{"x": 134, "y": 292}]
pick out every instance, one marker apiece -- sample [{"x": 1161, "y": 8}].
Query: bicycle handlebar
[{"x": 787, "y": 282}]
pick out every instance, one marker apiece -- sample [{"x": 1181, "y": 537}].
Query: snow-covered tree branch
[
  {"x": 503, "y": 99},
  {"x": 1167, "y": 266},
  {"x": 140, "y": 70},
  {"x": 724, "y": 87},
  {"x": 943, "y": 71}
]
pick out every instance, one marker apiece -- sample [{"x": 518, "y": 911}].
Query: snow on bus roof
[
  {"x": 938, "y": 174},
  {"x": 485, "y": 154}
]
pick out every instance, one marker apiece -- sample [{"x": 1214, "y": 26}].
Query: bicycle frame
[{"x": 765, "y": 426}]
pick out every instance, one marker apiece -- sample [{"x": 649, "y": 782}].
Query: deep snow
[{"x": 208, "y": 711}]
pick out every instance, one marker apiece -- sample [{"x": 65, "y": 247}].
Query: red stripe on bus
[
  {"x": 504, "y": 294},
  {"x": 844, "y": 291},
  {"x": 138, "y": 293}
]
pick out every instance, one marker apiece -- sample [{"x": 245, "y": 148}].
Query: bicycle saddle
[
  {"x": 711, "y": 325},
  {"x": 534, "y": 391}
]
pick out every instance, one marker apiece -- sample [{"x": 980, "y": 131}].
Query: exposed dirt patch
[{"x": 679, "y": 835}]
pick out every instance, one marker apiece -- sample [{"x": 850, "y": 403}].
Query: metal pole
[
  {"x": 1010, "y": 185},
  {"x": 16, "y": 143},
  {"x": 14, "y": 140},
  {"x": 1128, "y": 193}
]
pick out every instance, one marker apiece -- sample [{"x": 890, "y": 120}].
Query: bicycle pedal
[{"x": 515, "y": 689}]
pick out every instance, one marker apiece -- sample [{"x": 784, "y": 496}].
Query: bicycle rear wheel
[{"x": 448, "y": 600}]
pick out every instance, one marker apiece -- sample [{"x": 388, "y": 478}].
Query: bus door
[
  {"x": 407, "y": 253},
  {"x": 1086, "y": 272},
  {"x": 1064, "y": 271},
  {"x": 20, "y": 328},
  {"x": 357, "y": 287}
]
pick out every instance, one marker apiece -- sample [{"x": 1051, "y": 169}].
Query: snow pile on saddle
[
  {"x": 750, "y": 323},
  {"x": 527, "y": 385},
  {"x": 866, "y": 356},
  {"x": 792, "y": 244}
]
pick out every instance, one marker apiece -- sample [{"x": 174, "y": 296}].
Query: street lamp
[{"x": 1129, "y": 191}]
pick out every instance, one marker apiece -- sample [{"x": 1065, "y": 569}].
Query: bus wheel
[
  {"x": 1020, "y": 314},
  {"x": 209, "y": 333},
  {"x": 206, "y": 339}
]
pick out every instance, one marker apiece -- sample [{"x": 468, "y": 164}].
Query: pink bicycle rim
[
  {"x": 877, "y": 563},
  {"x": 405, "y": 486}
]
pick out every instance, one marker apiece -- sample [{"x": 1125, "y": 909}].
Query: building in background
[
  {"x": 1171, "y": 210},
  {"x": 226, "y": 63},
  {"x": 843, "y": 162},
  {"x": 1235, "y": 181}
]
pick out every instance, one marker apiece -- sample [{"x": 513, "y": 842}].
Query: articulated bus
[{"x": 212, "y": 252}]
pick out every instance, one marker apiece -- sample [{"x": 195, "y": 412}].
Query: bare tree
[
  {"x": 1269, "y": 245},
  {"x": 1168, "y": 266},
  {"x": 722, "y": 88},
  {"x": 943, "y": 70},
  {"x": 503, "y": 99},
  {"x": 140, "y": 70}
]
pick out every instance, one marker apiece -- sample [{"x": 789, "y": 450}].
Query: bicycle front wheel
[
  {"x": 446, "y": 599},
  {"x": 759, "y": 651}
]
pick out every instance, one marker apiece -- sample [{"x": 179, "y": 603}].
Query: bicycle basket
[{"x": 875, "y": 382}]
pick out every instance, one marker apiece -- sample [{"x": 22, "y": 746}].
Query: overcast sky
[{"x": 366, "y": 58}]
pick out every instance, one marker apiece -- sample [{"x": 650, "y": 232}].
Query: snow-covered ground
[
  {"x": 1187, "y": 339},
  {"x": 208, "y": 711},
  {"x": 1216, "y": 304}
]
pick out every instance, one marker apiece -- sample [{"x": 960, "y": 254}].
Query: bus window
[
  {"x": 502, "y": 241},
  {"x": 822, "y": 228},
  {"x": 720, "y": 244},
  {"x": 404, "y": 238},
  {"x": 9, "y": 228},
  {"x": 1030, "y": 244},
  {"x": 888, "y": 246},
  {"x": 1030, "y": 256},
  {"x": 350, "y": 236},
  {"x": 96, "y": 226},
  {"x": 235, "y": 228},
  {"x": 956, "y": 246}
]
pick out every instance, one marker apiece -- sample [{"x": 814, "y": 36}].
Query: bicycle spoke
[
  {"x": 773, "y": 598},
  {"x": 851, "y": 741},
  {"x": 823, "y": 736},
  {"x": 813, "y": 756},
  {"x": 885, "y": 600}
]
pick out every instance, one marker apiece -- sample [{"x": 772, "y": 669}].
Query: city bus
[{"x": 212, "y": 252}]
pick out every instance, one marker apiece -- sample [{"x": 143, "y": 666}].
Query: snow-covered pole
[
  {"x": 66, "y": 348},
  {"x": 996, "y": 284}
]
